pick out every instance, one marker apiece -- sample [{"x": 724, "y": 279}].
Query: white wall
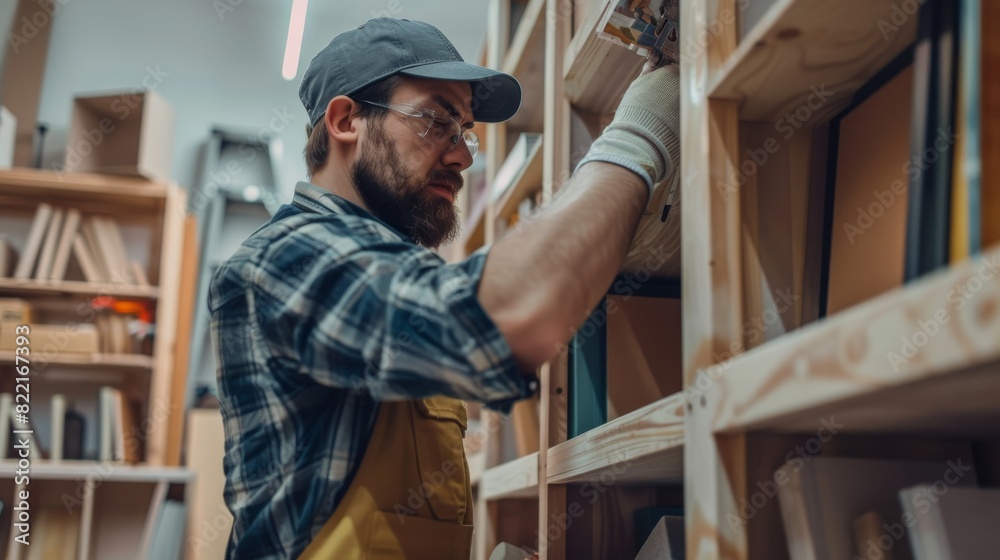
[{"x": 221, "y": 61}]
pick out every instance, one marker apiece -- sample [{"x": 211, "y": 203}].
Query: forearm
[{"x": 543, "y": 279}]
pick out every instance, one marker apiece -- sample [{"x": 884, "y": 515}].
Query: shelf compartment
[
  {"x": 25, "y": 286},
  {"x": 646, "y": 444},
  {"x": 513, "y": 479},
  {"x": 115, "y": 361},
  {"x": 525, "y": 60},
  {"x": 923, "y": 358},
  {"x": 812, "y": 54},
  {"x": 100, "y": 470},
  {"x": 597, "y": 72}
]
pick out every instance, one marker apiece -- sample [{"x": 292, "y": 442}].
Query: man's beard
[{"x": 405, "y": 202}]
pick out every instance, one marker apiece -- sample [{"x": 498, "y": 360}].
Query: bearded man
[{"x": 346, "y": 345}]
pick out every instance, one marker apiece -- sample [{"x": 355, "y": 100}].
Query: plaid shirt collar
[{"x": 313, "y": 198}]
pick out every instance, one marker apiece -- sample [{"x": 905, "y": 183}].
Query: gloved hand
[{"x": 644, "y": 136}]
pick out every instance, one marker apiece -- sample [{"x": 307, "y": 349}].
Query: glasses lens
[{"x": 472, "y": 142}]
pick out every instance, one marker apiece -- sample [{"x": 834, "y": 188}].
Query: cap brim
[{"x": 495, "y": 96}]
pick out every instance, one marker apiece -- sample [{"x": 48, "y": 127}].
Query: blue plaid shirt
[{"x": 322, "y": 313}]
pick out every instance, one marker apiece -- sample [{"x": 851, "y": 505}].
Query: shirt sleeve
[{"x": 391, "y": 318}]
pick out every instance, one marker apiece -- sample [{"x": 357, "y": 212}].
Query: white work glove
[{"x": 644, "y": 136}]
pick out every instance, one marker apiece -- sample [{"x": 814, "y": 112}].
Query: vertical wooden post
[
  {"x": 711, "y": 276},
  {"x": 555, "y": 154}
]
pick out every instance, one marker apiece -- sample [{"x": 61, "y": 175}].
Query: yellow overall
[{"x": 411, "y": 496}]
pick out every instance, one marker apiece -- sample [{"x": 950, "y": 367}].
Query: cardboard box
[
  {"x": 15, "y": 310},
  {"x": 122, "y": 134},
  {"x": 77, "y": 338}
]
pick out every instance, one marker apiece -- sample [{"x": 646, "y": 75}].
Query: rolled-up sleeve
[{"x": 388, "y": 317}]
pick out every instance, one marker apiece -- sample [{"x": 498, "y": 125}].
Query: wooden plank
[
  {"x": 796, "y": 64},
  {"x": 496, "y": 133},
  {"x": 52, "y": 185},
  {"x": 513, "y": 479},
  {"x": 73, "y": 470},
  {"x": 552, "y": 499},
  {"x": 159, "y": 406},
  {"x": 922, "y": 357},
  {"x": 646, "y": 445},
  {"x": 95, "y": 360},
  {"x": 711, "y": 276},
  {"x": 27, "y": 286},
  {"x": 185, "y": 323}
]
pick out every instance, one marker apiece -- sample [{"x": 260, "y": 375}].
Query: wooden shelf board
[
  {"x": 801, "y": 47},
  {"x": 525, "y": 60},
  {"x": 597, "y": 71},
  {"x": 527, "y": 181},
  {"x": 21, "y": 286},
  {"x": 513, "y": 479},
  {"x": 34, "y": 185},
  {"x": 98, "y": 470},
  {"x": 857, "y": 367},
  {"x": 474, "y": 229},
  {"x": 644, "y": 446},
  {"x": 117, "y": 361}
]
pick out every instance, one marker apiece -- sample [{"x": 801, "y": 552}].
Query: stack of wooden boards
[{"x": 57, "y": 234}]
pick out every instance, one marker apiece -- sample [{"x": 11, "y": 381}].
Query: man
[{"x": 344, "y": 342}]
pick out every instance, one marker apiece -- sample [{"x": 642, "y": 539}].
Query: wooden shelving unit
[
  {"x": 750, "y": 402},
  {"x": 100, "y": 509},
  {"x": 745, "y": 402}
]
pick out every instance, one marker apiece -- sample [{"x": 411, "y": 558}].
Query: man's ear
[{"x": 341, "y": 121}]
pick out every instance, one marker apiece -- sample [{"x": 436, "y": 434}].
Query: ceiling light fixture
[{"x": 293, "y": 46}]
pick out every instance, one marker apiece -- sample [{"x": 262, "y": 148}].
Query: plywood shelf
[
  {"x": 597, "y": 72},
  {"x": 513, "y": 479},
  {"x": 98, "y": 470},
  {"x": 644, "y": 446},
  {"x": 527, "y": 181},
  {"x": 30, "y": 186},
  {"x": 809, "y": 56},
  {"x": 923, "y": 359},
  {"x": 20, "y": 287},
  {"x": 96, "y": 360}
]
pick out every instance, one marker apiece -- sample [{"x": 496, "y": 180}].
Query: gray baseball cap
[{"x": 384, "y": 46}]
